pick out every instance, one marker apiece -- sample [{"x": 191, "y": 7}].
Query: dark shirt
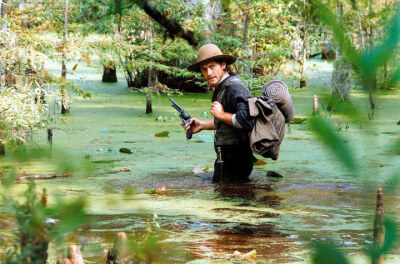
[{"x": 233, "y": 95}]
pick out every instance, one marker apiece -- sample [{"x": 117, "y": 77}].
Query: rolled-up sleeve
[
  {"x": 242, "y": 114},
  {"x": 238, "y": 96}
]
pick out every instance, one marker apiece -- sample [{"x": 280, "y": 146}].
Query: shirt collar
[{"x": 226, "y": 75}]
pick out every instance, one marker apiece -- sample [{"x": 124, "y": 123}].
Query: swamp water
[{"x": 201, "y": 222}]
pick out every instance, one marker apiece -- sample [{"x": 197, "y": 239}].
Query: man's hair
[{"x": 228, "y": 68}]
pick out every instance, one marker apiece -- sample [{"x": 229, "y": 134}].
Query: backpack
[{"x": 272, "y": 110}]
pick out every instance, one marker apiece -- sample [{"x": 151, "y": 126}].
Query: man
[{"x": 230, "y": 109}]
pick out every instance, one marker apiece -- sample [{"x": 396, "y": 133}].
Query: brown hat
[{"x": 210, "y": 52}]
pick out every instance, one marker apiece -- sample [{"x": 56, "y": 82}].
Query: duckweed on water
[{"x": 314, "y": 198}]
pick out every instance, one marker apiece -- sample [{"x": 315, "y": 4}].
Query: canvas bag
[{"x": 272, "y": 110}]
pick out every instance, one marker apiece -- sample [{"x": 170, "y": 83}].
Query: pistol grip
[{"x": 189, "y": 133}]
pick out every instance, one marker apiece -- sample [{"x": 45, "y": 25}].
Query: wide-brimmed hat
[{"x": 207, "y": 53}]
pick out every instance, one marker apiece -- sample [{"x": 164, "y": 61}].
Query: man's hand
[
  {"x": 198, "y": 125},
  {"x": 217, "y": 110},
  {"x": 195, "y": 124}
]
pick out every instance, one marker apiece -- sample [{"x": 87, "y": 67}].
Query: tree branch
[{"x": 173, "y": 28}]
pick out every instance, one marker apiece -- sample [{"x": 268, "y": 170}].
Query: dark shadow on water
[{"x": 249, "y": 193}]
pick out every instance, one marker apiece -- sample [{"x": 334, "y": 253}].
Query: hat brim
[{"x": 196, "y": 66}]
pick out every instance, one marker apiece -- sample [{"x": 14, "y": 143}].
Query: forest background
[
  {"x": 152, "y": 42},
  {"x": 123, "y": 36}
]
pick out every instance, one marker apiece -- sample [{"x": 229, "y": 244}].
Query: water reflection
[{"x": 250, "y": 193}]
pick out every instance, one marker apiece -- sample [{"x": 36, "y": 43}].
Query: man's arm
[{"x": 198, "y": 125}]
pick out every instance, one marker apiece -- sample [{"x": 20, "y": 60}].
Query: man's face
[{"x": 213, "y": 71}]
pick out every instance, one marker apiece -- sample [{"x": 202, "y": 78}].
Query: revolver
[{"x": 184, "y": 116}]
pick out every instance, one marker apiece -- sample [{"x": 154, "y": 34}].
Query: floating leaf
[
  {"x": 161, "y": 190},
  {"x": 260, "y": 162},
  {"x": 207, "y": 168},
  {"x": 162, "y": 134},
  {"x": 75, "y": 66},
  {"x": 125, "y": 150},
  {"x": 197, "y": 170},
  {"x": 398, "y": 122},
  {"x": 125, "y": 169},
  {"x": 298, "y": 120},
  {"x": 274, "y": 174},
  {"x": 251, "y": 255}
]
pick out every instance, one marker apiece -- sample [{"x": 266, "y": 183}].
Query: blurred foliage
[
  {"x": 365, "y": 33},
  {"x": 333, "y": 141},
  {"x": 37, "y": 224},
  {"x": 39, "y": 219},
  {"x": 366, "y": 63}
]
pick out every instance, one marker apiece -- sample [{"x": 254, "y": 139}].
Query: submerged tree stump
[
  {"x": 315, "y": 105},
  {"x": 76, "y": 256},
  {"x": 109, "y": 73},
  {"x": 303, "y": 83},
  {"x": 120, "y": 253},
  {"x": 379, "y": 228},
  {"x": 63, "y": 261}
]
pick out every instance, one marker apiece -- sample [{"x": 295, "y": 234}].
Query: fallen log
[{"x": 24, "y": 177}]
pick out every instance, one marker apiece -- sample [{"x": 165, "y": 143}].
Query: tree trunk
[
  {"x": 149, "y": 109},
  {"x": 303, "y": 82},
  {"x": 3, "y": 7},
  {"x": 42, "y": 92},
  {"x": 65, "y": 105},
  {"x": 361, "y": 31},
  {"x": 109, "y": 73},
  {"x": 3, "y": 4},
  {"x": 246, "y": 29},
  {"x": 130, "y": 79},
  {"x": 173, "y": 28},
  {"x": 2, "y": 149}
]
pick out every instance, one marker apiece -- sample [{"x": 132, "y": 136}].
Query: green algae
[{"x": 315, "y": 198}]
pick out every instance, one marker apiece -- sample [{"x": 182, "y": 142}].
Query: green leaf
[
  {"x": 162, "y": 134},
  {"x": 392, "y": 183},
  {"x": 125, "y": 150},
  {"x": 380, "y": 54},
  {"x": 10, "y": 178},
  {"x": 322, "y": 13},
  {"x": 298, "y": 120},
  {"x": 71, "y": 215},
  {"x": 395, "y": 77},
  {"x": 389, "y": 242},
  {"x": 328, "y": 135},
  {"x": 327, "y": 254}
]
